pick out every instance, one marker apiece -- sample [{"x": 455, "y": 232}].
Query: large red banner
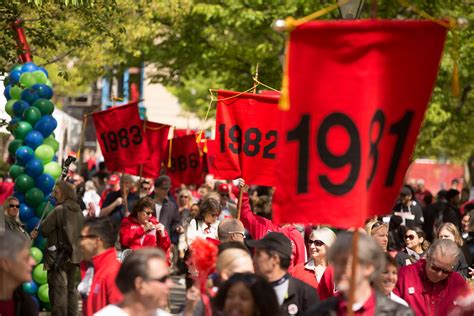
[
  {"x": 186, "y": 162},
  {"x": 358, "y": 91},
  {"x": 120, "y": 134},
  {"x": 156, "y": 135},
  {"x": 247, "y": 128}
]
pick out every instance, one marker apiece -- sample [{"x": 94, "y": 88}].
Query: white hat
[{"x": 326, "y": 235}]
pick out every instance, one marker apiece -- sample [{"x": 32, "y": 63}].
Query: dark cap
[
  {"x": 273, "y": 241},
  {"x": 405, "y": 191},
  {"x": 163, "y": 182}
]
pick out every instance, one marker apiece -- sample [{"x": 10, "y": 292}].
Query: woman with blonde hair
[
  {"x": 318, "y": 243},
  {"x": 451, "y": 232}
]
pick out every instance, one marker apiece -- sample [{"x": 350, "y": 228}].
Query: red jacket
[
  {"x": 326, "y": 288},
  {"x": 425, "y": 297},
  {"x": 133, "y": 236},
  {"x": 259, "y": 226},
  {"x": 308, "y": 276},
  {"x": 103, "y": 289}
]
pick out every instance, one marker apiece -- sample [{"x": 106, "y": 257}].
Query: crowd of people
[{"x": 126, "y": 236}]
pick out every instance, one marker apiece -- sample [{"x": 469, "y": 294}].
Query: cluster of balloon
[{"x": 28, "y": 92}]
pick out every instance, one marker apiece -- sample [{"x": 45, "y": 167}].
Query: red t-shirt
[
  {"x": 368, "y": 309},
  {"x": 7, "y": 308}
]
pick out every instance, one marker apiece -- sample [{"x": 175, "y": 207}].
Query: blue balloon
[
  {"x": 29, "y": 67},
  {"x": 30, "y": 287},
  {"x": 15, "y": 77},
  {"x": 20, "y": 196},
  {"x": 29, "y": 95},
  {"x": 34, "y": 168},
  {"x": 46, "y": 125},
  {"x": 44, "y": 91},
  {"x": 43, "y": 70},
  {"x": 45, "y": 183},
  {"x": 31, "y": 224},
  {"x": 26, "y": 213},
  {"x": 33, "y": 139},
  {"x": 40, "y": 242},
  {"x": 37, "y": 303},
  {"x": 19, "y": 107},
  {"x": 24, "y": 154},
  {"x": 6, "y": 92}
]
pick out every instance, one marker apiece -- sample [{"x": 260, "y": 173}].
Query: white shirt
[
  {"x": 397, "y": 299},
  {"x": 114, "y": 310},
  {"x": 202, "y": 231}
]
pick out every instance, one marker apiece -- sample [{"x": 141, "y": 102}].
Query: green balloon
[
  {"x": 9, "y": 106},
  {"x": 36, "y": 254},
  {"x": 16, "y": 170},
  {"x": 34, "y": 197},
  {"x": 45, "y": 106},
  {"x": 44, "y": 153},
  {"x": 49, "y": 83},
  {"x": 43, "y": 207},
  {"x": 32, "y": 115},
  {"x": 27, "y": 79},
  {"x": 43, "y": 293},
  {"x": 40, "y": 275},
  {"x": 16, "y": 67},
  {"x": 24, "y": 182},
  {"x": 14, "y": 145},
  {"x": 21, "y": 129},
  {"x": 40, "y": 76},
  {"x": 53, "y": 169},
  {"x": 15, "y": 92},
  {"x": 51, "y": 141}
]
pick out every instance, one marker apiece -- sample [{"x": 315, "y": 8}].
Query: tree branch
[{"x": 60, "y": 57}]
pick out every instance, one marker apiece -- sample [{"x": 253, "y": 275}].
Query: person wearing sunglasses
[
  {"x": 141, "y": 229},
  {"x": 318, "y": 243},
  {"x": 11, "y": 207},
  {"x": 100, "y": 265},
  {"x": 416, "y": 243},
  {"x": 205, "y": 225},
  {"x": 431, "y": 286},
  {"x": 145, "y": 282}
]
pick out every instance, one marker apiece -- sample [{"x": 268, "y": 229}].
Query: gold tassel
[{"x": 284, "y": 103}]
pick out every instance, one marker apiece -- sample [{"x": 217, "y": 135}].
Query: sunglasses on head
[
  {"x": 14, "y": 205},
  {"x": 317, "y": 243},
  {"x": 410, "y": 237}
]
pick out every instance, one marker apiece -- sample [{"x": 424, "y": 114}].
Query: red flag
[
  {"x": 186, "y": 164},
  {"x": 358, "y": 91},
  {"x": 119, "y": 131},
  {"x": 246, "y": 133},
  {"x": 156, "y": 135}
]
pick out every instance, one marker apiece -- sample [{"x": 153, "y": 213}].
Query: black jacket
[
  {"x": 169, "y": 216},
  {"x": 24, "y": 304},
  {"x": 383, "y": 307},
  {"x": 299, "y": 298}
]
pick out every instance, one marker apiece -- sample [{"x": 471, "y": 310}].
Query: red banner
[
  {"x": 358, "y": 91},
  {"x": 120, "y": 134},
  {"x": 156, "y": 135},
  {"x": 186, "y": 162},
  {"x": 246, "y": 138}
]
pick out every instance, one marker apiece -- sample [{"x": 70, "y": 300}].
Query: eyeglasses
[
  {"x": 163, "y": 279},
  {"x": 410, "y": 237},
  {"x": 237, "y": 232},
  {"x": 435, "y": 268},
  {"x": 184, "y": 196},
  {"x": 87, "y": 236},
  {"x": 150, "y": 213},
  {"x": 14, "y": 205},
  {"x": 317, "y": 243}
]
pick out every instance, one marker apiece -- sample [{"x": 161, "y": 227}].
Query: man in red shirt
[
  {"x": 430, "y": 286},
  {"x": 371, "y": 262},
  {"x": 98, "y": 288}
]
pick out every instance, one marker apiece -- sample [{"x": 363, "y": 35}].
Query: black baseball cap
[
  {"x": 163, "y": 182},
  {"x": 273, "y": 241}
]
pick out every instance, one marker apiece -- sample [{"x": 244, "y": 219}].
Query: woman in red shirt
[{"x": 141, "y": 229}]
